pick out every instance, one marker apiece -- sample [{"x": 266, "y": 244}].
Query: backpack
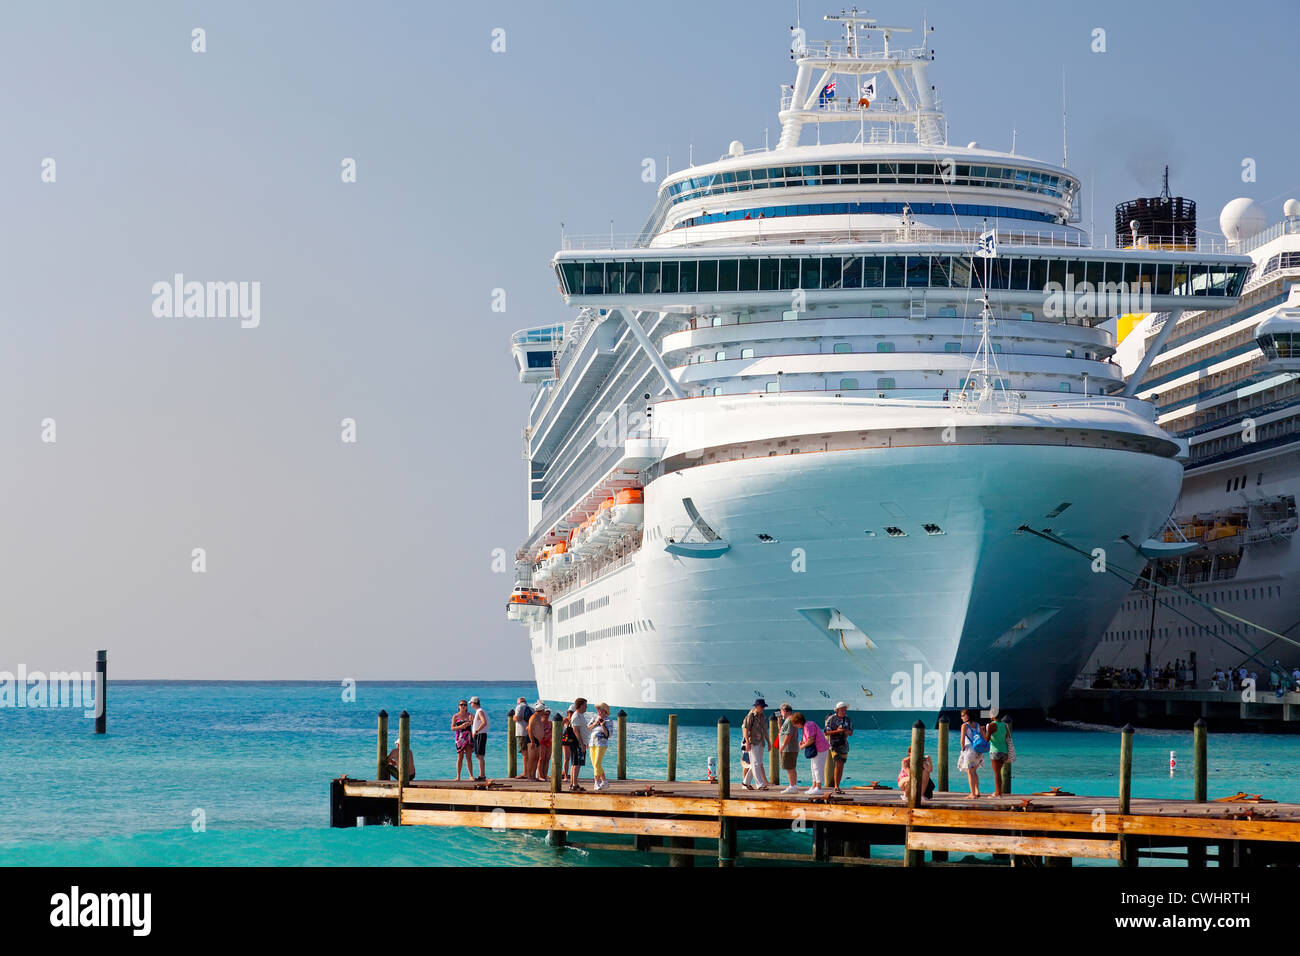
[
  {"x": 524, "y": 718},
  {"x": 977, "y": 741}
]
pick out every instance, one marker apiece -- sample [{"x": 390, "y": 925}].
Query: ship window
[
  {"x": 953, "y": 348},
  {"x": 773, "y": 386},
  {"x": 668, "y": 274},
  {"x": 895, "y": 270},
  {"x": 1026, "y": 316},
  {"x": 746, "y": 353},
  {"x": 717, "y": 390},
  {"x": 848, "y": 384},
  {"x": 769, "y": 274},
  {"x": 831, "y": 273},
  {"x": 1069, "y": 353},
  {"x": 811, "y": 274},
  {"x": 961, "y": 272},
  {"x": 940, "y": 271},
  {"x": 717, "y": 321},
  {"x": 842, "y": 348},
  {"x": 789, "y": 273},
  {"x": 948, "y": 312},
  {"x": 572, "y": 277},
  {"x": 918, "y": 271},
  {"x": 614, "y": 278},
  {"x": 593, "y": 278},
  {"x": 997, "y": 346},
  {"x": 884, "y": 383},
  {"x": 879, "y": 312},
  {"x": 851, "y": 272},
  {"x": 1020, "y": 274},
  {"x": 727, "y": 275},
  {"x": 650, "y": 278},
  {"x": 720, "y": 357},
  {"x": 884, "y": 346},
  {"x": 708, "y": 279},
  {"x": 789, "y": 315},
  {"x": 687, "y": 273},
  {"x": 1038, "y": 274},
  {"x": 748, "y": 275},
  {"x": 1065, "y": 386},
  {"x": 872, "y": 272},
  {"x": 1094, "y": 273}
]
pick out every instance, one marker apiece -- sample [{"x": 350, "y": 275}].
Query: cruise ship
[
  {"x": 1228, "y": 383},
  {"x": 841, "y": 422}
]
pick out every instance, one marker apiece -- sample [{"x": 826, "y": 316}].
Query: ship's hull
[{"x": 1013, "y": 613}]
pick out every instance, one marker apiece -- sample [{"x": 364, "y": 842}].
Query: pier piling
[
  {"x": 622, "y": 745},
  {"x": 512, "y": 763},
  {"x": 914, "y": 787},
  {"x": 1196, "y": 852},
  {"x": 727, "y": 831},
  {"x": 556, "y": 838},
  {"x": 1006, "y": 765},
  {"x": 1128, "y": 856},
  {"x": 774, "y": 753},
  {"x": 672, "y": 747},
  {"x": 101, "y": 688},
  {"x": 381, "y": 769},
  {"x": 941, "y": 775}
]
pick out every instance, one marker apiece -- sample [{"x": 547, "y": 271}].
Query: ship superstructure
[
  {"x": 842, "y": 419},
  {"x": 1228, "y": 383}
]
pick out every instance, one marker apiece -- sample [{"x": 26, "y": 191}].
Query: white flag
[
  {"x": 868, "y": 89},
  {"x": 988, "y": 248}
]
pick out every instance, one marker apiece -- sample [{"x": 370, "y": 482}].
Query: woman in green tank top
[{"x": 998, "y": 736}]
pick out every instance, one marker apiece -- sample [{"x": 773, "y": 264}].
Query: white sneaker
[
  {"x": 814, "y": 792},
  {"x": 790, "y": 790}
]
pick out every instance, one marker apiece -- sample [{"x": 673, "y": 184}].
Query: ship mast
[{"x": 904, "y": 69}]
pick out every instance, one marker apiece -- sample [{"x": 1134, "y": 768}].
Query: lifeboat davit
[
  {"x": 628, "y": 512},
  {"x": 601, "y": 530},
  {"x": 527, "y": 604},
  {"x": 559, "y": 558}
]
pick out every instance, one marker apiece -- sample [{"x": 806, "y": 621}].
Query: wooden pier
[{"x": 689, "y": 820}]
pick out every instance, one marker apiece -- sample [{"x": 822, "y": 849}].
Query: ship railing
[
  {"x": 847, "y": 102},
  {"x": 750, "y": 232},
  {"x": 1287, "y": 227},
  {"x": 833, "y": 50}
]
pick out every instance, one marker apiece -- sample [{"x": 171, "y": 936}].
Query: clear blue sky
[{"x": 373, "y": 560}]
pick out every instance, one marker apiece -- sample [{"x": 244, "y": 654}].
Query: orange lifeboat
[{"x": 628, "y": 510}]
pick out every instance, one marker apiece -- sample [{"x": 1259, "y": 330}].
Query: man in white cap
[
  {"x": 839, "y": 728},
  {"x": 523, "y": 713}
]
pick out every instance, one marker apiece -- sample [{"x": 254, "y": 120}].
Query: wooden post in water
[
  {"x": 941, "y": 775},
  {"x": 622, "y": 745},
  {"x": 512, "y": 763},
  {"x": 381, "y": 767},
  {"x": 556, "y": 837},
  {"x": 727, "y": 835},
  {"x": 914, "y": 790},
  {"x": 101, "y": 692},
  {"x": 672, "y": 748},
  {"x": 1196, "y": 852},
  {"x": 774, "y": 759},
  {"x": 1127, "y": 855},
  {"x": 403, "y": 758},
  {"x": 1006, "y": 766}
]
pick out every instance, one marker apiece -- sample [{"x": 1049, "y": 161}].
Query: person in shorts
[
  {"x": 479, "y": 731},
  {"x": 839, "y": 728},
  {"x": 789, "y": 746},
  {"x": 523, "y": 713}
]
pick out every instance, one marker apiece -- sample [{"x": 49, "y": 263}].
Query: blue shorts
[{"x": 480, "y": 744}]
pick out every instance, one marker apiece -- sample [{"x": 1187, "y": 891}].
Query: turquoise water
[{"x": 255, "y": 761}]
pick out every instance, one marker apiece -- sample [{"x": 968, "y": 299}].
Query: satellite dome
[
  {"x": 972, "y": 145},
  {"x": 737, "y": 148},
  {"x": 1242, "y": 218},
  {"x": 1291, "y": 208}
]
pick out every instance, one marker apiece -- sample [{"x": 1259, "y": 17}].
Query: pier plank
[
  {"x": 921, "y": 840},
  {"x": 588, "y": 823}
]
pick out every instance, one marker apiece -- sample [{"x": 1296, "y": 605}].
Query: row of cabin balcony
[{"x": 881, "y": 347}]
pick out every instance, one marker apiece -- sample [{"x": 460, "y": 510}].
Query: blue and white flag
[
  {"x": 868, "y": 90},
  {"x": 988, "y": 248}
]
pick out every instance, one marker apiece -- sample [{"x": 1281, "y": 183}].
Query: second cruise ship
[{"x": 841, "y": 422}]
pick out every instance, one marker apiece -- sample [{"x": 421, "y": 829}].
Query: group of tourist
[
  {"x": 587, "y": 735},
  {"x": 827, "y": 751},
  {"x": 1181, "y": 675},
  {"x": 584, "y": 735}
]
